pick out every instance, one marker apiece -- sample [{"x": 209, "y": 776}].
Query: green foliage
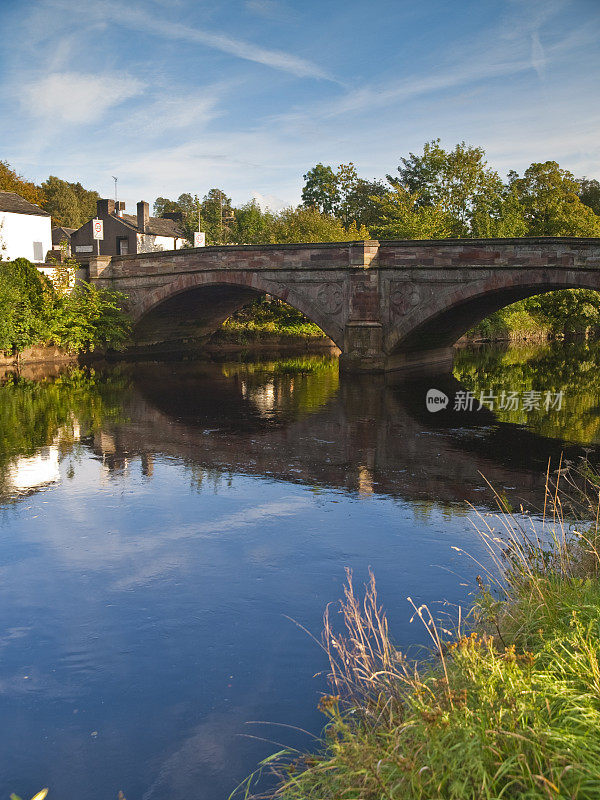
[
  {"x": 568, "y": 311},
  {"x": 251, "y": 224},
  {"x": 551, "y": 204},
  {"x": 217, "y": 217},
  {"x": 589, "y": 193},
  {"x": 321, "y": 189},
  {"x": 310, "y": 225},
  {"x": 266, "y": 319},
  {"x": 215, "y": 212},
  {"x": 402, "y": 217},
  {"x": 69, "y": 203},
  {"x": 24, "y": 292},
  {"x": 10, "y": 181},
  {"x": 89, "y": 317},
  {"x": 458, "y": 183},
  {"x": 33, "y": 312},
  {"x": 343, "y": 194}
]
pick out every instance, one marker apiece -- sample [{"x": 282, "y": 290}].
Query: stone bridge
[{"x": 387, "y": 305}]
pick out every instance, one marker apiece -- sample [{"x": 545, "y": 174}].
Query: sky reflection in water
[{"x": 161, "y": 524}]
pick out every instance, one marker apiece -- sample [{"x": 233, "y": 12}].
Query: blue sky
[{"x": 184, "y": 95}]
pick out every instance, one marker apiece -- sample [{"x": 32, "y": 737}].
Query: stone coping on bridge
[{"x": 368, "y": 244}]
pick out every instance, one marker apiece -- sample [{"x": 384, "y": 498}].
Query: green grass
[
  {"x": 252, "y": 330},
  {"x": 509, "y": 704},
  {"x": 267, "y": 320}
]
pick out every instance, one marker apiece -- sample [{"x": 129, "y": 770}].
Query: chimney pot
[{"x": 143, "y": 215}]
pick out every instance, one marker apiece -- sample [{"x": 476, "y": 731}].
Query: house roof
[
  {"x": 11, "y": 201},
  {"x": 61, "y": 233},
  {"x": 158, "y": 226}
]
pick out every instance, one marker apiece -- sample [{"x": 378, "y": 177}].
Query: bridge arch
[
  {"x": 446, "y": 315},
  {"x": 194, "y": 305}
]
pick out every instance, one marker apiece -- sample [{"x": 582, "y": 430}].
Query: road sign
[
  {"x": 98, "y": 228},
  {"x": 199, "y": 239}
]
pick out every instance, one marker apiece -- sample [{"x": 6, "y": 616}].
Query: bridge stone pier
[{"x": 389, "y": 305}]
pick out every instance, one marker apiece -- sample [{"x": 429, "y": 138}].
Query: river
[{"x": 165, "y": 530}]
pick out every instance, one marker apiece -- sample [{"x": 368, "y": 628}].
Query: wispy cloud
[
  {"x": 165, "y": 112},
  {"x": 538, "y": 57},
  {"x": 76, "y": 97},
  {"x": 138, "y": 18}
]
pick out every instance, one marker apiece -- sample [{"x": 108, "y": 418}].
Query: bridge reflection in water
[{"x": 363, "y": 435}]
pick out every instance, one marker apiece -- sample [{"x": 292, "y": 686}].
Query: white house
[{"x": 25, "y": 229}]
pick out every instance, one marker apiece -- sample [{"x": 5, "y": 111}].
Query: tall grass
[{"x": 509, "y": 704}]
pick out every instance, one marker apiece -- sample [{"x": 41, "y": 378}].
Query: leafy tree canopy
[
  {"x": 551, "y": 204},
  {"x": 10, "y": 181},
  {"x": 309, "y": 225},
  {"x": 69, "y": 203},
  {"x": 589, "y": 193},
  {"x": 321, "y": 189},
  {"x": 458, "y": 182}
]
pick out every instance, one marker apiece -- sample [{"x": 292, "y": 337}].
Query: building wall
[
  {"x": 18, "y": 232},
  {"x": 113, "y": 229},
  {"x": 149, "y": 243}
]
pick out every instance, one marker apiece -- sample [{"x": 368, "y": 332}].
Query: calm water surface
[{"x": 161, "y": 524}]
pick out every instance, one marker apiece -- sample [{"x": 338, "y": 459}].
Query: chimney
[
  {"x": 143, "y": 215},
  {"x": 104, "y": 208},
  {"x": 119, "y": 208}
]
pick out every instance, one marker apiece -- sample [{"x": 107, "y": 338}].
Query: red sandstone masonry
[{"x": 403, "y": 288}]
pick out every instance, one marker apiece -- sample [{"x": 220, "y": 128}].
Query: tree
[
  {"x": 310, "y": 225},
  {"x": 458, "y": 182},
  {"x": 251, "y": 224},
  {"x": 88, "y": 317},
  {"x": 61, "y": 202},
  {"x": 401, "y": 217},
  {"x": 87, "y": 199},
  {"x": 551, "y": 204},
  {"x": 217, "y": 216},
  {"x": 69, "y": 203},
  {"x": 589, "y": 193},
  {"x": 567, "y": 311},
  {"x": 321, "y": 189},
  {"x": 11, "y": 182},
  {"x": 187, "y": 205},
  {"x": 498, "y": 216},
  {"x": 23, "y": 295},
  {"x": 360, "y": 202}
]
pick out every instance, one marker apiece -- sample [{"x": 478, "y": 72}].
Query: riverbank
[{"x": 508, "y": 707}]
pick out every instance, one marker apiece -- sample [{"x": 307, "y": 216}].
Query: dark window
[{"x": 122, "y": 246}]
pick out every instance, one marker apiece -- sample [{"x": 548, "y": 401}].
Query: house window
[
  {"x": 38, "y": 251},
  {"x": 122, "y": 246}
]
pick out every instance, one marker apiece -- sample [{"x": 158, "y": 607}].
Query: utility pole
[{"x": 221, "y": 218}]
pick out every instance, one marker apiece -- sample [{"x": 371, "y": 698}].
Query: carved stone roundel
[
  {"x": 330, "y": 297},
  {"x": 404, "y": 299}
]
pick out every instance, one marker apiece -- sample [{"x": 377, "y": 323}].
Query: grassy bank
[
  {"x": 509, "y": 704},
  {"x": 234, "y": 330},
  {"x": 267, "y": 321}
]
